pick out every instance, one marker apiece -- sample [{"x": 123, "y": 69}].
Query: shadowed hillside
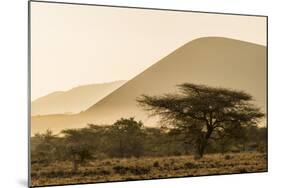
[
  {"x": 212, "y": 61},
  {"x": 74, "y": 100}
]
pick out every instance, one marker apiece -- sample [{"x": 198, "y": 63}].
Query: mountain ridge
[{"x": 60, "y": 102}]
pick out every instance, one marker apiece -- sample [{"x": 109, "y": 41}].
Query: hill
[
  {"x": 213, "y": 61},
  {"x": 74, "y": 100}
]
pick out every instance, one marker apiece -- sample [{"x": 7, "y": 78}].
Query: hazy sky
[{"x": 74, "y": 45}]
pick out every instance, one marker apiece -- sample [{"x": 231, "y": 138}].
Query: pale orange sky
[{"x": 74, "y": 45}]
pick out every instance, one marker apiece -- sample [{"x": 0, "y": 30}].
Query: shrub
[
  {"x": 156, "y": 164},
  {"x": 139, "y": 170},
  {"x": 120, "y": 169},
  {"x": 227, "y": 157},
  {"x": 136, "y": 170},
  {"x": 190, "y": 165}
]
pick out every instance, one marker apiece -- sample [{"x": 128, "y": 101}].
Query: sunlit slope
[{"x": 212, "y": 61}]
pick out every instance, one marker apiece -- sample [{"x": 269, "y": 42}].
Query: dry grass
[{"x": 148, "y": 168}]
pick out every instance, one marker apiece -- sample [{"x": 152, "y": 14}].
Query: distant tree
[
  {"x": 255, "y": 139},
  {"x": 44, "y": 150},
  {"x": 153, "y": 137},
  {"x": 78, "y": 148},
  {"x": 201, "y": 110},
  {"x": 126, "y": 137}
]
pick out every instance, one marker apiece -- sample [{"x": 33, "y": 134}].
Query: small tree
[
  {"x": 202, "y": 110},
  {"x": 44, "y": 150},
  {"x": 126, "y": 137},
  {"x": 77, "y": 149}
]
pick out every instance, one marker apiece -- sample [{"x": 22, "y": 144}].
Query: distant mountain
[
  {"x": 212, "y": 61},
  {"x": 74, "y": 100}
]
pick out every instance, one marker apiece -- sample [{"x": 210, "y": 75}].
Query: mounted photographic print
[{"x": 121, "y": 93}]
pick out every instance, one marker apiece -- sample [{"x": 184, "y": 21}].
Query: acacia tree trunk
[
  {"x": 201, "y": 148},
  {"x": 121, "y": 149},
  {"x": 203, "y": 141}
]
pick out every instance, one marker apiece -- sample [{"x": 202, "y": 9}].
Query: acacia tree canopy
[
  {"x": 78, "y": 146},
  {"x": 202, "y": 110},
  {"x": 127, "y": 134}
]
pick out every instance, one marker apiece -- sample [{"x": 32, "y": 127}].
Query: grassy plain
[{"x": 148, "y": 168}]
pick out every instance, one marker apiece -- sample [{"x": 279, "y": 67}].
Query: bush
[
  {"x": 227, "y": 157},
  {"x": 139, "y": 170},
  {"x": 136, "y": 170},
  {"x": 120, "y": 169},
  {"x": 156, "y": 164},
  {"x": 190, "y": 165},
  {"x": 262, "y": 148}
]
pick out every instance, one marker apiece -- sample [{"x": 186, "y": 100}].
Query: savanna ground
[{"x": 148, "y": 168}]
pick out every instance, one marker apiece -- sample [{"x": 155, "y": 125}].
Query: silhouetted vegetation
[
  {"x": 132, "y": 140},
  {"x": 204, "y": 113}
]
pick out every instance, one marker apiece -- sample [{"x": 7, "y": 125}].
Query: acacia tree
[
  {"x": 45, "y": 147},
  {"x": 127, "y": 137},
  {"x": 200, "y": 111},
  {"x": 78, "y": 147}
]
